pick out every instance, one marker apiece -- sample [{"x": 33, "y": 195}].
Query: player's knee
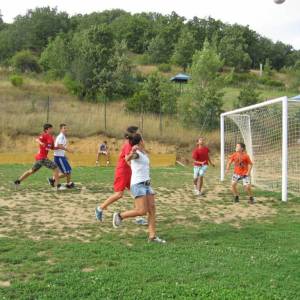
[{"x": 142, "y": 211}]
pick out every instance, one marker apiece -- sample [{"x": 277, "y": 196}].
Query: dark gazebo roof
[
  {"x": 296, "y": 97},
  {"x": 180, "y": 78}
]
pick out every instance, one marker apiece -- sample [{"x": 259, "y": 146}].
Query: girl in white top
[{"x": 140, "y": 189}]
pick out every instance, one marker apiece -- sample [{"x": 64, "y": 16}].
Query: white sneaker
[
  {"x": 156, "y": 240},
  {"x": 141, "y": 221},
  {"x": 61, "y": 187},
  {"x": 117, "y": 221},
  {"x": 196, "y": 192}
]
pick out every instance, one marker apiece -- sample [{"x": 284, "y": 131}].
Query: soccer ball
[{"x": 279, "y": 1}]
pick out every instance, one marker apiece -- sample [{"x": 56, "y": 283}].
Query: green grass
[{"x": 259, "y": 259}]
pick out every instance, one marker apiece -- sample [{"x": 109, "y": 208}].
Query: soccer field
[{"x": 51, "y": 246}]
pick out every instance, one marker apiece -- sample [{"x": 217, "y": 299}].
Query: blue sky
[{"x": 278, "y": 22}]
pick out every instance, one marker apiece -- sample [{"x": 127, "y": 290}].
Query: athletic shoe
[
  {"x": 156, "y": 240},
  {"x": 60, "y": 187},
  {"x": 236, "y": 199},
  {"x": 97, "y": 163},
  {"x": 117, "y": 221},
  {"x": 196, "y": 192},
  {"x": 17, "y": 183},
  {"x": 141, "y": 221},
  {"x": 51, "y": 181},
  {"x": 107, "y": 163},
  {"x": 251, "y": 200},
  {"x": 99, "y": 214},
  {"x": 70, "y": 185}
]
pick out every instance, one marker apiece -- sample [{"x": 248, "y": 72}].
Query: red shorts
[{"x": 122, "y": 182}]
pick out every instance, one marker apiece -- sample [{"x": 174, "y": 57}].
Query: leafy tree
[
  {"x": 156, "y": 95},
  {"x": 202, "y": 103},
  {"x": 184, "y": 49},
  {"x": 233, "y": 49},
  {"x": 162, "y": 45},
  {"x": 57, "y": 57},
  {"x": 25, "y": 61},
  {"x": 32, "y": 31},
  {"x": 248, "y": 96}
]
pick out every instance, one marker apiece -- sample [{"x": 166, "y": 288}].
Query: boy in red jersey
[
  {"x": 46, "y": 143},
  {"x": 201, "y": 161},
  {"x": 122, "y": 174},
  {"x": 242, "y": 170}
]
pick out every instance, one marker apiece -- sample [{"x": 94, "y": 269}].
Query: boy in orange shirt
[{"x": 242, "y": 170}]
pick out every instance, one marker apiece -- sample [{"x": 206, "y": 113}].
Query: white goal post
[{"x": 271, "y": 133}]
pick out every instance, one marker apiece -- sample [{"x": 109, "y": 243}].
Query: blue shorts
[
  {"x": 199, "y": 171},
  {"x": 141, "y": 189},
  {"x": 63, "y": 164}
]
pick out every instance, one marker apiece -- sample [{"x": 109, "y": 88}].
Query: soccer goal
[{"x": 271, "y": 133}]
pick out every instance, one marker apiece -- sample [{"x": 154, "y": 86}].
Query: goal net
[{"x": 271, "y": 133}]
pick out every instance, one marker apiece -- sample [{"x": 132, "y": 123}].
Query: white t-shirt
[
  {"x": 60, "y": 140},
  {"x": 140, "y": 168}
]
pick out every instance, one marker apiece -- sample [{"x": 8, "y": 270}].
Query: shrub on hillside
[
  {"x": 25, "y": 61},
  {"x": 164, "y": 68},
  {"x": 16, "y": 80}
]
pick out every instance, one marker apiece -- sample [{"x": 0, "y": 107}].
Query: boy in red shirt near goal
[
  {"x": 242, "y": 170},
  {"x": 201, "y": 161}
]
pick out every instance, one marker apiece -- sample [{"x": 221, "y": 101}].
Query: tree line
[{"x": 91, "y": 53}]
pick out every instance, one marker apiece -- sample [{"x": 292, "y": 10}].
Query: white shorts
[
  {"x": 102, "y": 152},
  {"x": 245, "y": 179},
  {"x": 199, "y": 171}
]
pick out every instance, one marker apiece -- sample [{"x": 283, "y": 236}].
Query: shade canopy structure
[
  {"x": 181, "y": 78},
  {"x": 296, "y": 97}
]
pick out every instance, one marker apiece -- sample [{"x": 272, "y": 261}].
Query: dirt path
[{"x": 63, "y": 215}]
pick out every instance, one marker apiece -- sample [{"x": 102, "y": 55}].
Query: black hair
[
  {"x": 130, "y": 132},
  {"x": 105, "y": 142},
  {"x": 136, "y": 139},
  {"x": 243, "y": 146},
  {"x": 47, "y": 126},
  {"x": 62, "y": 125}
]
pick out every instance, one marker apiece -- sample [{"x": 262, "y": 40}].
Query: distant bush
[
  {"x": 270, "y": 82},
  {"x": 144, "y": 59},
  {"x": 25, "y": 61},
  {"x": 164, "y": 68},
  {"x": 16, "y": 80}
]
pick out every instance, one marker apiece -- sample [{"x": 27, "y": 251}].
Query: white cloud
[{"x": 274, "y": 21}]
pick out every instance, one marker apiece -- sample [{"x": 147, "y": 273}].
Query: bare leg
[
  {"x": 200, "y": 183},
  {"x": 234, "y": 188},
  {"x": 249, "y": 190},
  {"x": 27, "y": 174},
  {"x": 68, "y": 177},
  {"x": 56, "y": 176},
  {"x": 151, "y": 216},
  {"x": 113, "y": 198},
  {"x": 140, "y": 209}
]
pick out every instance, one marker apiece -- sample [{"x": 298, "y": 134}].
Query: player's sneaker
[
  {"x": 117, "y": 221},
  {"x": 156, "y": 240},
  {"x": 236, "y": 199},
  {"x": 141, "y": 221},
  {"x": 99, "y": 214},
  {"x": 51, "y": 181},
  {"x": 251, "y": 200},
  {"x": 70, "y": 185},
  {"x": 107, "y": 163},
  {"x": 196, "y": 192},
  {"x": 17, "y": 183},
  {"x": 60, "y": 187}
]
